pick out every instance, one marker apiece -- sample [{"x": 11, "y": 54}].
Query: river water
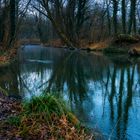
[{"x": 102, "y": 91}]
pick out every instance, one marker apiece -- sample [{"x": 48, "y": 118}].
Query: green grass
[
  {"x": 15, "y": 120},
  {"x": 45, "y": 103},
  {"x": 3, "y": 91}
]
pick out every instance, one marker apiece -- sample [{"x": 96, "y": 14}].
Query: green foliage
[
  {"x": 15, "y": 120},
  {"x": 48, "y": 105},
  {"x": 45, "y": 103},
  {"x": 3, "y": 91}
]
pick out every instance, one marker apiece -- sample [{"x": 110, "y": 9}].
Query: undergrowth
[{"x": 45, "y": 118}]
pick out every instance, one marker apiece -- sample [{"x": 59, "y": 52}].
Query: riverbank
[
  {"x": 8, "y": 56},
  {"x": 8, "y": 106},
  {"x": 44, "y": 117},
  {"x": 122, "y": 44}
]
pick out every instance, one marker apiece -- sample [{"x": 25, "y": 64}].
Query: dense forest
[{"x": 75, "y": 22}]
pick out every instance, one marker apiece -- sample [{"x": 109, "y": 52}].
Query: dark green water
[{"x": 104, "y": 92}]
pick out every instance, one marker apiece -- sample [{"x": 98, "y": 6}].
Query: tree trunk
[
  {"x": 108, "y": 19},
  {"x": 134, "y": 17},
  {"x": 12, "y": 19},
  {"x": 132, "y": 20},
  {"x": 124, "y": 16},
  {"x": 115, "y": 21},
  {"x": 0, "y": 27}
]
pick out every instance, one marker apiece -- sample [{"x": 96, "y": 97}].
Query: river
[{"x": 102, "y": 91}]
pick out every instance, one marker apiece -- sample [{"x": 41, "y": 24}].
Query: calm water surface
[{"x": 103, "y": 92}]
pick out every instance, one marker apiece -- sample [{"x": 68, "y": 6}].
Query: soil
[{"x": 8, "y": 107}]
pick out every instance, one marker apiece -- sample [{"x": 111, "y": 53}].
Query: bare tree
[
  {"x": 67, "y": 17},
  {"x": 108, "y": 16},
  {"x": 124, "y": 15},
  {"x": 115, "y": 20},
  {"x": 12, "y": 18},
  {"x": 132, "y": 18}
]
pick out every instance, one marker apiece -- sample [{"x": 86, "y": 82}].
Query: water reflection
[{"x": 103, "y": 92}]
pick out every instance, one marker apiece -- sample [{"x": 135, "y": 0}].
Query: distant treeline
[{"x": 72, "y": 21}]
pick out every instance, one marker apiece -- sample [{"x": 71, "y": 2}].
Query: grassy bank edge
[{"x": 44, "y": 117}]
